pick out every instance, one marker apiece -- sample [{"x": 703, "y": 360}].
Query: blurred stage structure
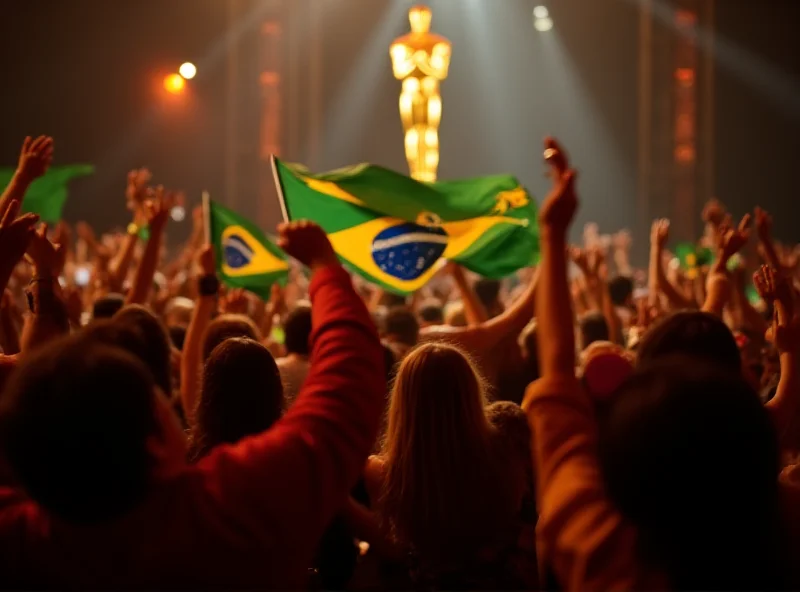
[
  {"x": 676, "y": 112},
  {"x": 274, "y": 90},
  {"x": 276, "y": 101}
]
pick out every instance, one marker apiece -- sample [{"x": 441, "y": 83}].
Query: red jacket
[{"x": 248, "y": 515}]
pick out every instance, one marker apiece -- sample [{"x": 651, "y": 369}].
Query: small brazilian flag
[
  {"x": 245, "y": 257},
  {"x": 393, "y": 230},
  {"x": 47, "y": 195}
]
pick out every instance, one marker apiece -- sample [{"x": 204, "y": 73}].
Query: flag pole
[
  {"x": 206, "y": 204},
  {"x": 279, "y": 187}
]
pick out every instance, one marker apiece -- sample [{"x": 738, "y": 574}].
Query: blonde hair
[{"x": 443, "y": 491}]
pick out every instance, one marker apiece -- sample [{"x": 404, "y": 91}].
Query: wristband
[{"x": 208, "y": 285}]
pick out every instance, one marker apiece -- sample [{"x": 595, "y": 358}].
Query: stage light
[
  {"x": 178, "y": 213},
  {"x": 543, "y": 24},
  {"x": 174, "y": 84},
  {"x": 541, "y": 12},
  {"x": 188, "y": 70}
]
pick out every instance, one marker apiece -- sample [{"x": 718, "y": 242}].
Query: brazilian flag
[
  {"x": 245, "y": 257},
  {"x": 393, "y": 230},
  {"x": 47, "y": 195}
]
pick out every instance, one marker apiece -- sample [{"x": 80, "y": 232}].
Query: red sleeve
[{"x": 290, "y": 481}]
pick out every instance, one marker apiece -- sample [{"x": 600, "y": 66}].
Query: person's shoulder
[{"x": 551, "y": 386}]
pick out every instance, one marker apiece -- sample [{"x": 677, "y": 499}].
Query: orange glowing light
[
  {"x": 685, "y": 76},
  {"x": 174, "y": 84}
]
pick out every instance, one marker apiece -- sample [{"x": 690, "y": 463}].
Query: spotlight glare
[
  {"x": 543, "y": 24},
  {"x": 174, "y": 84},
  {"x": 541, "y": 12},
  {"x": 188, "y": 70},
  {"x": 178, "y": 213}
]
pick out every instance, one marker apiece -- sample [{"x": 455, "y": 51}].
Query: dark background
[{"x": 89, "y": 73}]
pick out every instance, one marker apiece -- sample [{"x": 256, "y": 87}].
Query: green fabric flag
[
  {"x": 47, "y": 195},
  {"x": 245, "y": 256},
  {"x": 393, "y": 230}
]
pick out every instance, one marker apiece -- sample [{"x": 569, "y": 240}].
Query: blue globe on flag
[
  {"x": 406, "y": 251},
  {"x": 236, "y": 251}
]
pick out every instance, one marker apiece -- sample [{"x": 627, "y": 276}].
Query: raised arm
[
  {"x": 290, "y": 481},
  {"x": 483, "y": 339},
  {"x": 191, "y": 356},
  {"x": 658, "y": 281},
  {"x": 580, "y": 536},
  {"x": 764, "y": 231},
  {"x": 785, "y": 334},
  {"x": 157, "y": 212},
  {"x": 34, "y": 160},
  {"x": 48, "y": 318},
  {"x": 474, "y": 310},
  {"x": 729, "y": 242}
]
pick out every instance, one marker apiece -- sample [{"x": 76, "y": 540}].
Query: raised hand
[
  {"x": 763, "y": 225},
  {"x": 205, "y": 260},
  {"x": 235, "y": 302},
  {"x": 35, "y": 157},
  {"x": 158, "y": 207},
  {"x": 773, "y": 287},
  {"x": 622, "y": 240},
  {"x": 277, "y": 302},
  {"x": 714, "y": 212},
  {"x": 45, "y": 256},
  {"x": 581, "y": 258},
  {"x": 561, "y": 203},
  {"x": 15, "y": 235},
  {"x": 659, "y": 233},
  {"x": 732, "y": 240},
  {"x": 136, "y": 190},
  {"x": 308, "y": 243}
]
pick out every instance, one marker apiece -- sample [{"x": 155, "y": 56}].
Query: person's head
[
  {"x": 592, "y": 327},
  {"x": 226, "y": 326},
  {"x": 690, "y": 457},
  {"x": 178, "y": 311},
  {"x": 437, "y": 448},
  {"x": 488, "y": 292},
  {"x": 431, "y": 313},
  {"x": 401, "y": 326},
  {"x": 75, "y": 420},
  {"x": 241, "y": 395},
  {"x": 158, "y": 350},
  {"x": 621, "y": 291},
  {"x": 107, "y": 306},
  {"x": 297, "y": 330},
  {"x": 454, "y": 315},
  {"x": 696, "y": 334}
]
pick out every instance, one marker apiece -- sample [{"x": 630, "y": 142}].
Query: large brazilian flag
[
  {"x": 392, "y": 229},
  {"x": 245, "y": 257}
]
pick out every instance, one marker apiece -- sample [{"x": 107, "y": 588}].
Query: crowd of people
[{"x": 582, "y": 425}]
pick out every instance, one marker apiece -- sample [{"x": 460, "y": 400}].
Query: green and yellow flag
[
  {"x": 392, "y": 229},
  {"x": 47, "y": 195},
  {"x": 245, "y": 257}
]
